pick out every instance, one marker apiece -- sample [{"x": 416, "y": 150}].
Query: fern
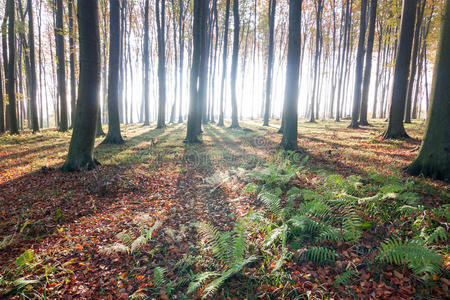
[
  {"x": 331, "y": 234},
  {"x": 319, "y": 254},
  {"x": 158, "y": 277},
  {"x": 438, "y": 234},
  {"x": 413, "y": 253},
  {"x": 345, "y": 277},
  {"x": 272, "y": 202}
]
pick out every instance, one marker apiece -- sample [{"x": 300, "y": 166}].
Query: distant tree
[
  {"x": 181, "y": 26},
  {"x": 434, "y": 156},
  {"x": 82, "y": 143},
  {"x": 224, "y": 64},
  {"x": 319, "y": 9},
  {"x": 146, "y": 67},
  {"x": 114, "y": 136},
  {"x": 13, "y": 124},
  {"x": 201, "y": 8},
  {"x": 289, "y": 140},
  {"x": 2, "y": 112},
  {"x": 272, "y": 10},
  {"x": 396, "y": 129},
  {"x": 33, "y": 76},
  {"x": 413, "y": 68},
  {"x": 234, "y": 65},
  {"x": 61, "y": 65},
  {"x": 359, "y": 67},
  {"x": 160, "y": 29},
  {"x": 73, "y": 79},
  {"x": 368, "y": 66}
]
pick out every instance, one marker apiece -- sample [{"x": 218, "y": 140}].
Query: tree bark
[
  {"x": 73, "y": 80},
  {"x": 82, "y": 143},
  {"x": 161, "y": 24},
  {"x": 413, "y": 67},
  {"x": 13, "y": 125},
  {"x": 114, "y": 136},
  {"x": 434, "y": 156},
  {"x": 368, "y": 67},
  {"x": 146, "y": 67},
  {"x": 272, "y": 11},
  {"x": 234, "y": 65},
  {"x": 61, "y": 66},
  {"x": 359, "y": 67},
  {"x": 224, "y": 64},
  {"x": 289, "y": 140},
  {"x": 396, "y": 129}
]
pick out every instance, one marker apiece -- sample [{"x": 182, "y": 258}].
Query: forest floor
[{"x": 129, "y": 228}]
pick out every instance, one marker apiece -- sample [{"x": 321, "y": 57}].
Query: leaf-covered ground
[{"x": 130, "y": 228}]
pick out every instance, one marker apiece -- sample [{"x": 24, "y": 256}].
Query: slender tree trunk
[
  {"x": 341, "y": 66},
  {"x": 160, "y": 24},
  {"x": 419, "y": 16},
  {"x": 289, "y": 140},
  {"x": 61, "y": 68},
  {"x": 73, "y": 93},
  {"x": 319, "y": 8},
  {"x": 377, "y": 74},
  {"x": 201, "y": 8},
  {"x": 224, "y": 64},
  {"x": 146, "y": 67},
  {"x": 368, "y": 67},
  {"x": 359, "y": 67},
  {"x": 82, "y": 143},
  {"x": 434, "y": 156},
  {"x": 234, "y": 65},
  {"x": 13, "y": 125},
  {"x": 114, "y": 136},
  {"x": 272, "y": 11},
  {"x": 396, "y": 130}
]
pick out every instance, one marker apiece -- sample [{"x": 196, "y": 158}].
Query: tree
[
  {"x": 234, "y": 66},
  {"x": 201, "y": 8},
  {"x": 396, "y": 129},
  {"x": 33, "y": 77},
  {"x": 2, "y": 112},
  {"x": 13, "y": 125},
  {"x": 73, "y": 93},
  {"x": 415, "y": 51},
  {"x": 160, "y": 25},
  {"x": 434, "y": 156},
  {"x": 81, "y": 147},
  {"x": 368, "y": 67},
  {"x": 61, "y": 65},
  {"x": 114, "y": 136},
  {"x": 272, "y": 10},
  {"x": 359, "y": 67},
  {"x": 146, "y": 67},
  {"x": 224, "y": 63},
  {"x": 181, "y": 26},
  {"x": 289, "y": 140},
  {"x": 319, "y": 9}
]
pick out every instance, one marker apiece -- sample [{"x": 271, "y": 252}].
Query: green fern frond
[
  {"x": 272, "y": 202},
  {"x": 305, "y": 224},
  {"x": 158, "y": 277},
  {"x": 218, "y": 242},
  {"x": 199, "y": 280},
  {"x": 438, "y": 234},
  {"x": 413, "y": 253},
  {"x": 319, "y": 254},
  {"x": 345, "y": 277},
  {"x": 331, "y": 234},
  {"x": 274, "y": 235}
]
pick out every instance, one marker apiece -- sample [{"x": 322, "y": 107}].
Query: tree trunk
[
  {"x": 289, "y": 140},
  {"x": 359, "y": 67},
  {"x": 234, "y": 65},
  {"x": 13, "y": 126},
  {"x": 146, "y": 67},
  {"x": 395, "y": 129},
  {"x": 61, "y": 66},
  {"x": 319, "y": 8},
  {"x": 161, "y": 24},
  {"x": 413, "y": 67},
  {"x": 82, "y": 143},
  {"x": 73, "y": 79},
  {"x": 272, "y": 11},
  {"x": 224, "y": 64},
  {"x": 368, "y": 67},
  {"x": 114, "y": 136},
  {"x": 201, "y": 8},
  {"x": 434, "y": 156}
]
